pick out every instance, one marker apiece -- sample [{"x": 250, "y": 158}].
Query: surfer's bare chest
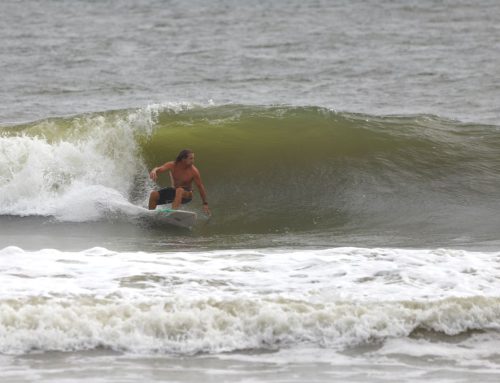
[{"x": 183, "y": 177}]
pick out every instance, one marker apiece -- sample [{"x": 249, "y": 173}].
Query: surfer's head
[{"x": 186, "y": 156}]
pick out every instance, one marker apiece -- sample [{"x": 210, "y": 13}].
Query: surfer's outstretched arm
[
  {"x": 201, "y": 188},
  {"x": 161, "y": 169}
]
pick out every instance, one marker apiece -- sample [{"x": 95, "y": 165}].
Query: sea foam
[{"x": 217, "y": 301}]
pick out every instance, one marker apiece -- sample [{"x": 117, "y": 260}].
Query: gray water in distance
[{"x": 384, "y": 57}]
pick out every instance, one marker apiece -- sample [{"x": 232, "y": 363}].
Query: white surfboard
[{"x": 181, "y": 218}]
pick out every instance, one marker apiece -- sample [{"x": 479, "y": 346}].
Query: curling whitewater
[{"x": 220, "y": 301}]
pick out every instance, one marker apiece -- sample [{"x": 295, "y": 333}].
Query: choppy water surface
[{"x": 385, "y": 57}]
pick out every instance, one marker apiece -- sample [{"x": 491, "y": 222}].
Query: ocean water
[{"x": 350, "y": 152}]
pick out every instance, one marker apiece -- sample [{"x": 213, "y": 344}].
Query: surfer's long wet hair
[{"x": 183, "y": 154}]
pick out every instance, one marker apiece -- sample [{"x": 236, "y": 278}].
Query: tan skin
[{"x": 182, "y": 175}]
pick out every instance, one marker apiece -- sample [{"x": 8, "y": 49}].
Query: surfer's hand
[
  {"x": 207, "y": 210},
  {"x": 153, "y": 175}
]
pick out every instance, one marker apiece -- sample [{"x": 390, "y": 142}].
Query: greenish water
[{"x": 281, "y": 170}]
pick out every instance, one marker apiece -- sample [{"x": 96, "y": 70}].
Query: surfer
[{"x": 182, "y": 174}]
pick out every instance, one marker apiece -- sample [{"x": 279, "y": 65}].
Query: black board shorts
[{"x": 167, "y": 195}]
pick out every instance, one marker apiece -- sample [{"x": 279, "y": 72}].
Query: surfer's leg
[
  {"x": 179, "y": 192},
  {"x": 153, "y": 200}
]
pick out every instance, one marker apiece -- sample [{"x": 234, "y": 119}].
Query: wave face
[{"x": 266, "y": 168}]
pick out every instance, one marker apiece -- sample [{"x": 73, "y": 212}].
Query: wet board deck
[{"x": 181, "y": 218}]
